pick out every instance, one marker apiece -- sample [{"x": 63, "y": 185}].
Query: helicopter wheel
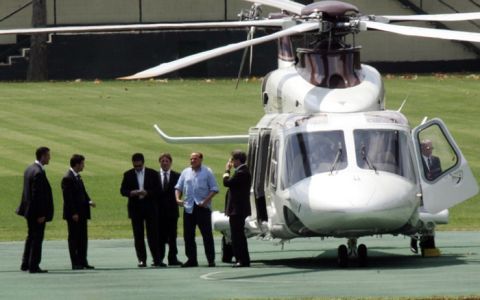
[
  {"x": 342, "y": 258},
  {"x": 362, "y": 255}
]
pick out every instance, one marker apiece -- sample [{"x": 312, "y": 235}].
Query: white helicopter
[{"x": 328, "y": 160}]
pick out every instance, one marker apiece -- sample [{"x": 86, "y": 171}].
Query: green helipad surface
[{"x": 305, "y": 268}]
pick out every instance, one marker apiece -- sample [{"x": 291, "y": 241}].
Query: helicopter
[{"x": 327, "y": 158}]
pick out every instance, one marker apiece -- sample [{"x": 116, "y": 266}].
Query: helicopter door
[
  {"x": 258, "y": 155},
  {"x": 445, "y": 177}
]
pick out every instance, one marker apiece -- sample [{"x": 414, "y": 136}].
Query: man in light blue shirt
[{"x": 197, "y": 185}]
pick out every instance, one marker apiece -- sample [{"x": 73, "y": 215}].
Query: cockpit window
[
  {"x": 309, "y": 153},
  {"x": 384, "y": 150}
]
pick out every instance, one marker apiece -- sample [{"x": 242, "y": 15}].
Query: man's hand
[
  {"x": 204, "y": 203},
  {"x": 179, "y": 202},
  {"x": 75, "y": 218},
  {"x": 41, "y": 220},
  {"x": 92, "y": 204},
  {"x": 229, "y": 165}
]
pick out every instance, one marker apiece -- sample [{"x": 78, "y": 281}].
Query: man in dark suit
[
  {"x": 37, "y": 207},
  {"x": 238, "y": 204},
  {"x": 168, "y": 213},
  {"x": 431, "y": 163},
  {"x": 140, "y": 185},
  {"x": 76, "y": 211}
]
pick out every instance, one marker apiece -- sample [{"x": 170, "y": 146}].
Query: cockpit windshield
[
  {"x": 384, "y": 150},
  {"x": 309, "y": 153}
]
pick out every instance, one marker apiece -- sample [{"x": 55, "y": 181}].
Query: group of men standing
[
  {"x": 154, "y": 198},
  {"x": 36, "y": 206},
  {"x": 152, "y": 206}
]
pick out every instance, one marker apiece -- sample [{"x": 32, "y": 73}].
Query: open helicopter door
[
  {"x": 445, "y": 177},
  {"x": 257, "y": 162}
]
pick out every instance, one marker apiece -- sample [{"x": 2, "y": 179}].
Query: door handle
[{"x": 458, "y": 176}]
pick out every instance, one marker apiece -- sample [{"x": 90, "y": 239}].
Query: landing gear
[
  {"x": 344, "y": 253},
  {"x": 427, "y": 244}
]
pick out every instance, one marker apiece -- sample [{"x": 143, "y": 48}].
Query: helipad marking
[{"x": 210, "y": 276}]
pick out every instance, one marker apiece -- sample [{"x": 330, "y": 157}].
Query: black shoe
[
  {"x": 159, "y": 265},
  {"x": 174, "y": 262},
  {"x": 24, "y": 267},
  {"x": 240, "y": 265},
  {"x": 88, "y": 267},
  {"x": 38, "y": 270},
  {"x": 211, "y": 264},
  {"x": 77, "y": 267},
  {"x": 141, "y": 264},
  {"x": 189, "y": 264}
]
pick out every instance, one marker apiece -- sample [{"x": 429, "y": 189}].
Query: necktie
[
  {"x": 165, "y": 181},
  {"x": 429, "y": 163}
]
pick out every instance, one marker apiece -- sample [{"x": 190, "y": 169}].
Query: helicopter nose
[{"x": 366, "y": 201}]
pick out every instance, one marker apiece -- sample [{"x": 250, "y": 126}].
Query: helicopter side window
[
  {"x": 384, "y": 150},
  {"x": 438, "y": 156},
  {"x": 274, "y": 165},
  {"x": 252, "y": 152},
  {"x": 310, "y": 153}
]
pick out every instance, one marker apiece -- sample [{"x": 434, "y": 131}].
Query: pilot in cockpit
[{"x": 322, "y": 156}]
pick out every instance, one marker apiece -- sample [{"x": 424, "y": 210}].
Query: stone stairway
[
  {"x": 450, "y": 6},
  {"x": 14, "y": 59}
]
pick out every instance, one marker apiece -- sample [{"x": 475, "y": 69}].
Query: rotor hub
[{"x": 331, "y": 8}]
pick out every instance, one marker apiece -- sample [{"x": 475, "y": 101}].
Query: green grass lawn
[{"x": 108, "y": 121}]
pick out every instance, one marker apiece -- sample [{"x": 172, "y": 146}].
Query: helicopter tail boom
[{"x": 220, "y": 139}]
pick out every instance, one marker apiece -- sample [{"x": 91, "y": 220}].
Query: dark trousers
[
  {"x": 32, "y": 254},
  {"x": 78, "y": 242},
  {"x": 171, "y": 237},
  {"x": 151, "y": 224},
  {"x": 239, "y": 241},
  {"x": 201, "y": 217}
]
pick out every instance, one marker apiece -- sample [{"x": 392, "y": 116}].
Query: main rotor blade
[
  {"x": 290, "y": 6},
  {"x": 136, "y": 27},
  {"x": 439, "y": 18},
  {"x": 199, "y": 57},
  {"x": 425, "y": 32}
]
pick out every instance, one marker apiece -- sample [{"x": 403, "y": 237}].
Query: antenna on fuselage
[{"x": 403, "y": 103}]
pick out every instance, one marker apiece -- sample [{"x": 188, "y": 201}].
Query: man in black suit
[
  {"x": 432, "y": 169},
  {"x": 140, "y": 185},
  {"x": 76, "y": 211},
  {"x": 168, "y": 214},
  {"x": 238, "y": 204},
  {"x": 431, "y": 163},
  {"x": 37, "y": 207}
]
